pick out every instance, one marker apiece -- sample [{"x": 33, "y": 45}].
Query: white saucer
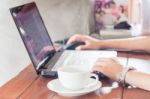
[{"x": 56, "y": 86}]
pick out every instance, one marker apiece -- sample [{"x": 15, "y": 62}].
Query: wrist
[
  {"x": 102, "y": 44},
  {"x": 123, "y": 74},
  {"x": 129, "y": 75}
]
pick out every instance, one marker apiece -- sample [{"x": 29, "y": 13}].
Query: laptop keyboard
[{"x": 81, "y": 59}]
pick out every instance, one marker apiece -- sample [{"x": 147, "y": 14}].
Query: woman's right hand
[
  {"x": 109, "y": 67},
  {"x": 90, "y": 43}
]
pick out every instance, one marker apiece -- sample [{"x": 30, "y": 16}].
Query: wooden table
[{"x": 27, "y": 85}]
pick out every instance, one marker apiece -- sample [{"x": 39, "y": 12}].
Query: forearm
[
  {"x": 136, "y": 43},
  {"x": 138, "y": 79}
]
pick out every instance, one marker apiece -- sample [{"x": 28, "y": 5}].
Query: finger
[
  {"x": 103, "y": 58},
  {"x": 100, "y": 60},
  {"x": 99, "y": 63},
  {"x": 115, "y": 59},
  {"x": 77, "y": 37},
  {"x": 97, "y": 68},
  {"x": 82, "y": 47},
  {"x": 107, "y": 59}
]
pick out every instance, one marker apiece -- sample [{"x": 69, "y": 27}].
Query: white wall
[{"x": 62, "y": 18}]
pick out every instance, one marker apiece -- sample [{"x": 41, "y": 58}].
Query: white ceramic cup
[{"x": 75, "y": 79}]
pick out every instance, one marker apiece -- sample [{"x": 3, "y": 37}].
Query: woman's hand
[
  {"x": 90, "y": 43},
  {"x": 109, "y": 67}
]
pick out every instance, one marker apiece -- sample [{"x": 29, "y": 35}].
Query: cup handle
[{"x": 96, "y": 80}]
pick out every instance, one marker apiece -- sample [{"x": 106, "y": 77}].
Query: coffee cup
[{"x": 75, "y": 79}]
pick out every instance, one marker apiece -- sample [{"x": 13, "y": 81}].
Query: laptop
[{"x": 45, "y": 59}]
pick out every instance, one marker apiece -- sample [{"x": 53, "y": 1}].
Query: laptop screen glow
[{"x": 33, "y": 33}]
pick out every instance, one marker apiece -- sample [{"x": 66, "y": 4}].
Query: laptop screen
[{"x": 33, "y": 33}]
